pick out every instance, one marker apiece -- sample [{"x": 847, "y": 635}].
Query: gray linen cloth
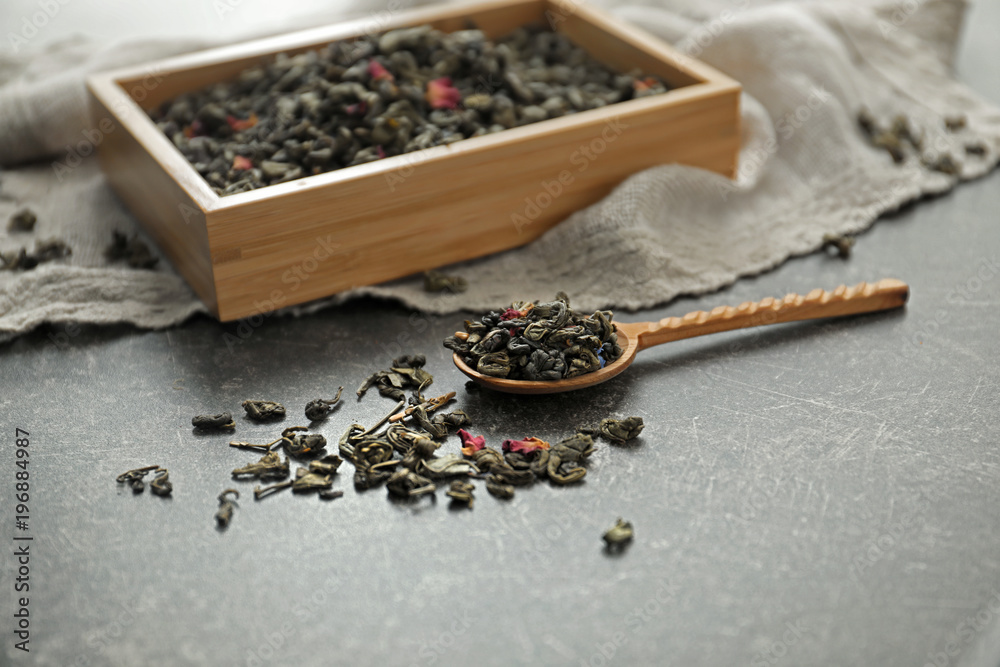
[{"x": 805, "y": 169}]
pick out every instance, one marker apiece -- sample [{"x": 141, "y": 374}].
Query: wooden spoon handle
[{"x": 862, "y": 298}]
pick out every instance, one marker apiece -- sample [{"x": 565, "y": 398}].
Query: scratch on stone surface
[
  {"x": 794, "y": 398},
  {"x": 881, "y": 431},
  {"x": 850, "y": 436},
  {"x": 761, "y": 363},
  {"x": 976, "y": 390},
  {"x": 743, "y": 413}
]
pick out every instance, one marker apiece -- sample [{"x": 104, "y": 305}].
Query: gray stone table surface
[{"x": 808, "y": 494}]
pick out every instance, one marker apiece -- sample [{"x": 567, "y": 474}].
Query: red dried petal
[
  {"x": 380, "y": 151},
  {"x": 378, "y": 72},
  {"x": 242, "y": 163},
  {"x": 359, "y": 109},
  {"x": 195, "y": 129},
  {"x": 441, "y": 94},
  {"x": 526, "y": 446},
  {"x": 641, "y": 85},
  {"x": 473, "y": 443},
  {"x": 510, "y": 314},
  {"x": 239, "y": 124}
]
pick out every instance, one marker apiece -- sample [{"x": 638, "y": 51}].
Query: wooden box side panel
[
  {"x": 473, "y": 203},
  {"x": 175, "y": 222}
]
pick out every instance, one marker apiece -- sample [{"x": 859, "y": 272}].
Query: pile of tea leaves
[
  {"x": 537, "y": 341},
  {"x": 377, "y": 96},
  {"x": 402, "y": 451}
]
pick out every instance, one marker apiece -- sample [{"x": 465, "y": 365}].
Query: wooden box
[{"x": 285, "y": 244}]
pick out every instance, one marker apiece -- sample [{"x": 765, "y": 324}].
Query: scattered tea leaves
[
  {"x": 22, "y": 221},
  {"x": 269, "y": 467},
  {"x": 842, "y": 244},
  {"x": 435, "y": 281},
  {"x": 226, "y": 504},
  {"x": 405, "y": 372},
  {"x": 408, "y": 484},
  {"x": 134, "y": 478},
  {"x": 45, "y": 251},
  {"x": 264, "y": 410},
  {"x": 566, "y": 457},
  {"x": 618, "y": 432},
  {"x": 320, "y": 408},
  {"x": 461, "y": 492},
  {"x": 955, "y": 123},
  {"x": 130, "y": 249},
  {"x": 619, "y": 534},
  {"x": 161, "y": 484},
  {"x": 221, "y": 421}
]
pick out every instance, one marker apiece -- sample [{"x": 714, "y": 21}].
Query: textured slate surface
[{"x": 811, "y": 494}]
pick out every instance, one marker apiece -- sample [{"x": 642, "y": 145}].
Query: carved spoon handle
[{"x": 862, "y": 298}]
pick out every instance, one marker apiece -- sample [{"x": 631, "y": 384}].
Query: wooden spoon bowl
[{"x": 637, "y": 336}]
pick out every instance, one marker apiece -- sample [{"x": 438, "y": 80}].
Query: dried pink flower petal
[
  {"x": 526, "y": 446},
  {"x": 441, "y": 94},
  {"x": 359, "y": 109},
  {"x": 641, "y": 85},
  {"x": 378, "y": 72},
  {"x": 195, "y": 129},
  {"x": 239, "y": 124},
  {"x": 472, "y": 443},
  {"x": 242, "y": 163}
]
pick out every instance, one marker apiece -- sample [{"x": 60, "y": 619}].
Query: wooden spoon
[{"x": 635, "y": 336}]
